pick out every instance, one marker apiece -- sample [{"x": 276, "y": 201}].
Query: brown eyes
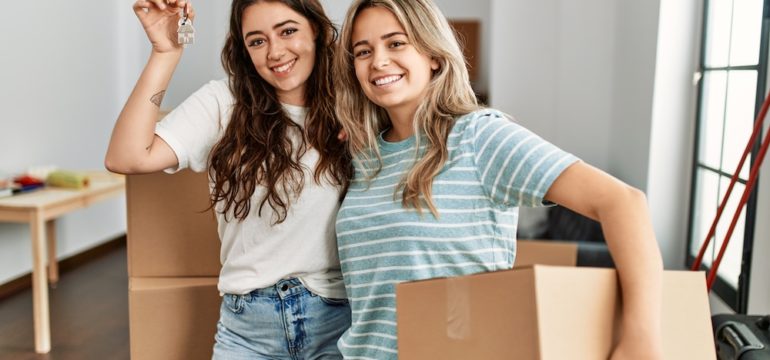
[
  {"x": 392, "y": 45},
  {"x": 259, "y": 41}
]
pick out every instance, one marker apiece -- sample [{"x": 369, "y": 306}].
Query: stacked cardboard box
[{"x": 173, "y": 266}]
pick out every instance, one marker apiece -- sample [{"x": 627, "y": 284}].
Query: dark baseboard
[{"x": 24, "y": 282}]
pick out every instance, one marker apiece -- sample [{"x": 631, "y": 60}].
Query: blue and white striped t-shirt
[{"x": 494, "y": 166}]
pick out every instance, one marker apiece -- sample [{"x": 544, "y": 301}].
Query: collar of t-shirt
[{"x": 296, "y": 113}]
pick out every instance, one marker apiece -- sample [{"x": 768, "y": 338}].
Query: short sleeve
[
  {"x": 192, "y": 128},
  {"x": 516, "y": 167}
]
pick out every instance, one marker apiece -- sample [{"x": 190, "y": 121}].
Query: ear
[{"x": 434, "y": 64}]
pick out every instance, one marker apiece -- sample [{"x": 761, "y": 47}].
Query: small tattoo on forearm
[{"x": 158, "y": 98}]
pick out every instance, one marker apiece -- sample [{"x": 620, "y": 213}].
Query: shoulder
[
  {"x": 213, "y": 94},
  {"x": 476, "y": 123},
  {"x": 219, "y": 90},
  {"x": 208, "y": 109},
  {"x": 216, "y": 101}
]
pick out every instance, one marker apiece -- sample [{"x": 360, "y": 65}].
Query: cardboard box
[
  {"x": 170, "y": 231},
  {"x": 541, "y": 312},
  {"x": 173, "y": 318},
  {"x": 545, "y": 252}
]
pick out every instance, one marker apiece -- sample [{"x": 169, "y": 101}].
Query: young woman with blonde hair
[
  {"x": 267, "y": 136},
  {"x": 438, "y": 180}
]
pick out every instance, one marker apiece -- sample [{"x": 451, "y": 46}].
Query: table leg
[
  {"x": 40, "y": 287},
  {"x": 53, "y": 265}
]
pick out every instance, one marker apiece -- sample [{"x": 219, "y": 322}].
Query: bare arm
[
  {"x": 134, "y": 147},
  {"x": 624, "y": 216}
]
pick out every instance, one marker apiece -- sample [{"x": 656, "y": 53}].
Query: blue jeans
[{"x": 284, "y": 321}]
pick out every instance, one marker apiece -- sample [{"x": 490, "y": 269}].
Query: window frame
[{"x": 735, "y": 298}]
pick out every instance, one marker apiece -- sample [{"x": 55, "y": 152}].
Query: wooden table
[{"x": 39, "y": 209}]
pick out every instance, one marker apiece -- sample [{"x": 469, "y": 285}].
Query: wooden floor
[{"x": 89, "y": 314}]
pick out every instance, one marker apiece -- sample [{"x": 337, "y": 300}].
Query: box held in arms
[{"x": 542, "y": 312}]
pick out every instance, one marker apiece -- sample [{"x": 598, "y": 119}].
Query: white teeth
[
  {"x": 387, "y": 80},
  {"x": 284, "y": 68}
]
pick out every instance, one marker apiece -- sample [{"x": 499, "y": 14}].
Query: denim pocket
[
  {"x": 234, "y": 303},
  {"x": 334, "y": 302}
]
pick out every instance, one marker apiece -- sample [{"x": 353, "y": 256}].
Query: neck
[
  {"x": 296, "y": 98},
  {"x": 401, "y": 122}
]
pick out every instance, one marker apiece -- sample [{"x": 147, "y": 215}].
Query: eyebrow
[
  {"x": 255, "y": 32},
  {"x": 383, "y": 37}
]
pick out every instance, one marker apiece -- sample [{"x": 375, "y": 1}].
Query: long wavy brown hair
[{"x": 255, "y": 149}]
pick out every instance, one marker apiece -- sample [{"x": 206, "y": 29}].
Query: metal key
[{"x": 185, "y": 33}]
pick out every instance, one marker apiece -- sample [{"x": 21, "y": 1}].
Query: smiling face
[
  {"x": 390, "y": 70},
  {"x": 281, "y": 44}
]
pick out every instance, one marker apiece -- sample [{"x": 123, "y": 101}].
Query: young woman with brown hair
[{"x": 267, "y": 135}]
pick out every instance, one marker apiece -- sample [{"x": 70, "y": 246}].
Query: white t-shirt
[{"x": 255, "y": 253}]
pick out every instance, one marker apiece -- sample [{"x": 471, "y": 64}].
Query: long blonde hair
[{"x": 449, "y": 95}]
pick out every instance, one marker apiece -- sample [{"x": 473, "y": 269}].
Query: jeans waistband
[{"x": 282, "y": 289}]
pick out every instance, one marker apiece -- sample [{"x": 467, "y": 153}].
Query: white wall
[
  {"x": 672, "y": 130},
  {"x": 636, "y": 26},
  {"x": 551, "y": 63},
  {"x": 336, "y": 10},
  {"x": 558, "y": 66},
  {"x": 579, "y": 74}
]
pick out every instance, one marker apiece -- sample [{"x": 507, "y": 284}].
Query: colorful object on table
[
  {"x": 67, "y": 179},
  {"x": 26, "y": 183},
  {"x": 27, "y": 180}
]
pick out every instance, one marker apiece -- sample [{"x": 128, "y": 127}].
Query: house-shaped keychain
[{"x": 186, "y": 32}]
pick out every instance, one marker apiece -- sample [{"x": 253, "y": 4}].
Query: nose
[
  {"x": 380, "y": 60},
  {"x": 276, "y": 51}
]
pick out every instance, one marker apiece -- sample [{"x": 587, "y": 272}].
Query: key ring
[{"x": 184, "y": 14}]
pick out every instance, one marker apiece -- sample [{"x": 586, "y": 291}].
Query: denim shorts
[{"x": 284, "y": 321}]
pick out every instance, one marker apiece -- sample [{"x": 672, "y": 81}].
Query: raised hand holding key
[{"x": 163, "y": 22}]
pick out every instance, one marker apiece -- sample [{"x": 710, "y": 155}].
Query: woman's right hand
[{"x": 160, "y": 20}]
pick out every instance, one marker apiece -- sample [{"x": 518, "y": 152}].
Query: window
[{"x": 733, "y": 69}]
